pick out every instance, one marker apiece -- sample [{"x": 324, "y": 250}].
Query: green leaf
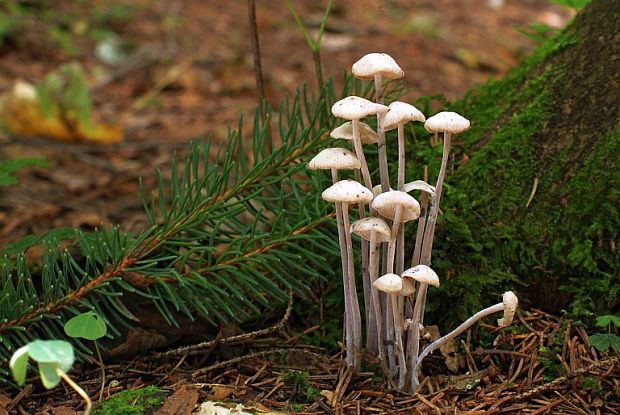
[
  {"x": 49, "y": 376},
  {"x": 604, "y": 321},
  {"x": 53, "y": 351},
  {"x": 603, "y": 342},
  {"x": 19, "y": 364},
  {"x": 88, "y": 326}
]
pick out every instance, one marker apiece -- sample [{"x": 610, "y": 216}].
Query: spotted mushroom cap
[
  {"x": 334, "y": 158},
  {"x": 366, "y": 226},
  {"x": 377, "y": 63},
  {"x": 510, "y": 301},
  {"x": 422, "y": 274},
  {"x": 355, "y": 108},
  {"x": 446, "y": 121},
  {"x": 419, "y": 185},
  {"x": 347, "y": 191},
  {"x": 389, "y": 283},
  {"x": 400, "y": 112},
  {"x": 345, "y": 132},
  {"x": 386, "y": 204}
]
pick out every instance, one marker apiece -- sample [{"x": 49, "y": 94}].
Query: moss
[
  {"x": 131, "y": 402},
  {"x": 534, "y": 126}
]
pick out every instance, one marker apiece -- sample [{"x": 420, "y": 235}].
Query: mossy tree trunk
[{"x": 532, "y": 203}]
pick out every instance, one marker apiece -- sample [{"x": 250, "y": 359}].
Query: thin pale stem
[
  {"x": 400, "y": 349},
  {"x": 371, "y": 327},
  {"x": 76, "y": 387},
  {"x": 348, "y": 324},
  {"x": 415, "y": 258},
  {"x": 359, "y": 152},
  {"x": 442, "y": 340},
  {"x": 383, "y": 164},
  {"x": 425, "y": 256},
  {"x": 374, "y": 269},
  {"x": 355, "y": 307}
]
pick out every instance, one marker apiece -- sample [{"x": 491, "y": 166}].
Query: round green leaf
[
  {"x": 49, "y": 376},
  {"x": 88, "y": 326},
  {"x": 19, "y": 364},
  {"x": 52, "y": 351}
]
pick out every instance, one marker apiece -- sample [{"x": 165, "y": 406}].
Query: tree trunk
[{"x": 532, "y": 203}]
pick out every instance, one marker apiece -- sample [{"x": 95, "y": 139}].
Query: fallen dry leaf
[{"x": 181, "y": 402}]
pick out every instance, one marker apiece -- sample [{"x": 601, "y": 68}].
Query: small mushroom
[
  {"x": 374, "y": 230},
  {"x": 354, "y": 109},
  {"x": 399, "y": 114},
  {"x": 510, "y": 302},
  {"x": 380, "y": 67},
  {"x": 426, "y": 190},
  {"x": 335, "y": 159},
  {"x": 422, "y": 274},
  {"x": 345, "y": 132},
  {"x": 346, "y": 192}
]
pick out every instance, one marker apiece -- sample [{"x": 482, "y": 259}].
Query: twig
[
  {"x": 555, "y": 383},
  {"x": 199, "y": 348}
]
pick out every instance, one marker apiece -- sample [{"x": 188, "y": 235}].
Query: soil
[
  {"x": 190, "y": 75},
  {"x": 443, "y": 48}
]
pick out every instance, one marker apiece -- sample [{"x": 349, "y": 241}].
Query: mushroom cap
[
  {"x": 389, "y": 283},
  {"x": 400, "y": 112},
  {"x": 386, "y": 204},
  {"x": 345, "y": 132},
  {"x": 355, "y": 108},
  {"x": 408, "y": 287},
  {"x": 347, "y": 191},
  {"x": 334, "y": 158},
  {"x": 422, "y": 274},
  {"x": 376, "y": 190},
  {"x": 419, "y": 185},
  {"x": 365, "y": 226},
  {"x": 446, "y": 121},
  {"x": 510, "y": 301},
  {"x": 377, "y": 63}
]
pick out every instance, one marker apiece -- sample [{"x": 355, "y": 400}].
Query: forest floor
[{"x": 189, "y": 73}]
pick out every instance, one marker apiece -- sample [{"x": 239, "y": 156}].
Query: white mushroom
[
  {"x": 379, "y": 67},
  {"x": 345, "y": 132},
  {"x": 422, "y": 274},
  {"x": 355, "y": 108},
  {"x": 374, "y": 230},
  {"x": 346, "y": 192},
  {"x": 510, "y": 302},
  {"x": 335, "y": 159}
]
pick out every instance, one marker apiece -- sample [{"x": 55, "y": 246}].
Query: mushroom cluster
[{"x": 394, "y": 297}]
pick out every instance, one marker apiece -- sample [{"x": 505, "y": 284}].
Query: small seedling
[
  {"x": 604, "y": 342},
  {"x": 54, "y": 358},
  {"x": 89, "y": 326}
]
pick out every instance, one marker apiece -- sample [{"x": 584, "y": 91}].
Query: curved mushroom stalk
[{"x": 508, "y": 305}]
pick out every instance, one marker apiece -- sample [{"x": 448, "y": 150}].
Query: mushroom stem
[
  {"x": 400, "y": 244},
  {"x": 442, "y": 340},
  {"x": 393, "y": 298},
  {"x": 348, "y": 323},
  {"x": 383, "y": 164},
  {"x": 371, "y": 326},
  {"x": 356, "y": 318},
  {"x": 415, "y": 258},
  {"x": 359, "y": 152},
  {"x": 425, "y": 256},
  {"x": 374, "y": 268}
]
